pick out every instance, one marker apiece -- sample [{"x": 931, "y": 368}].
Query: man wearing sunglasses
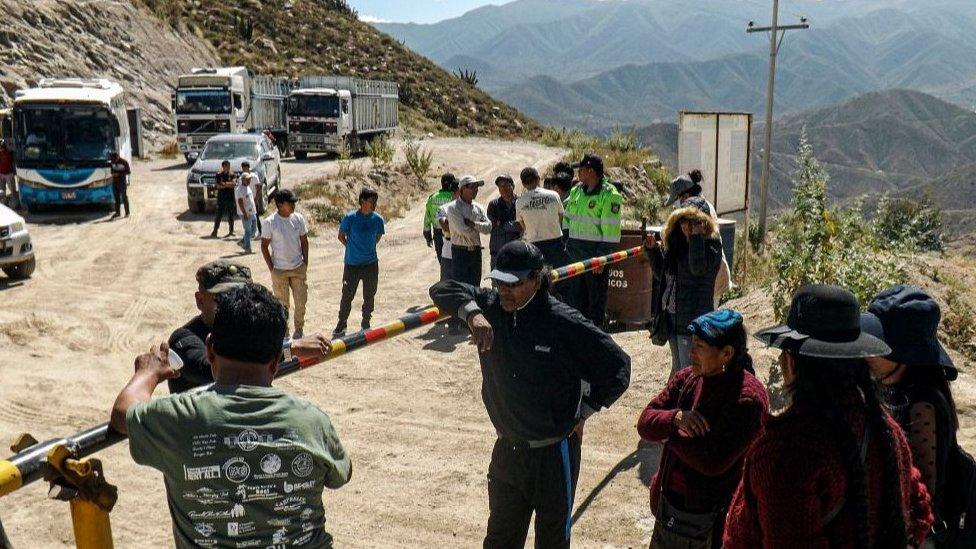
[{"x": 535, "y": 354}]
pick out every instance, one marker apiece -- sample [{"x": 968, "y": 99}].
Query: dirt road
[{"x": 408, "y": 410}]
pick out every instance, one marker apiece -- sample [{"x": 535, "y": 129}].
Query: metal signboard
[{"x": 718, "y": 144}]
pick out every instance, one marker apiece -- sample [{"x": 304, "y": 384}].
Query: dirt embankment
[{"x": 98, "y": 38}]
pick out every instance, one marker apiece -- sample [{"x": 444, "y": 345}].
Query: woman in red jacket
[
  {"x": 834, "y": 470},
  {"x": 707, "y": 416}
]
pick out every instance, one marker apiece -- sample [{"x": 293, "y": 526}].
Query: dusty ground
[{"x": 408, "y": 410}]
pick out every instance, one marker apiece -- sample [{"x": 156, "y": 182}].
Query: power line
[{"x": 776, "y": 34}]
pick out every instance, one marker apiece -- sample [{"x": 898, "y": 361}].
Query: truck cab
[
  {"x": 208, "y": 102},
  {"x": 319, "y": 119}
]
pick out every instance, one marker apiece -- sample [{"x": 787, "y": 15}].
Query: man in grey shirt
[{"x": 467, "y": 221}]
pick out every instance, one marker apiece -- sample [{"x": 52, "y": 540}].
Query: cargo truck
[
  {"x": 329, "y": 113},
  {"x": 210, "y": 101}
]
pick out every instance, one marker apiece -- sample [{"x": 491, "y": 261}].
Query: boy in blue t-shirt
[{"x": 359, "y": 232}]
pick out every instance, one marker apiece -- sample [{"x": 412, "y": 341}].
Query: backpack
[{"x": 956, "y": 518}]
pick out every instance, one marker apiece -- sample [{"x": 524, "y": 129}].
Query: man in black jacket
[
  {"x": 535, "y": 352},
  {"x": 190, "y": 340}
]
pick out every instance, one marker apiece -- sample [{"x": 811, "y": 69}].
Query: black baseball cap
[
  {"x": 285, "y": 195},
  {"x": 590, "y": 160},
  {"x": 220, "y": 276},
  {"x": 515, "y": 261},
  {"x": 563, "y": 170}
]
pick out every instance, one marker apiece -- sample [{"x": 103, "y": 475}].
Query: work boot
[
  {"x": 340, "y": 330},
  {"x": 365, "y": 325},
  {"x": 297, "y": 335}
]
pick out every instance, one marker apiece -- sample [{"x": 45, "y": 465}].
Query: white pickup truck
[{"x": 16, "y": 250}]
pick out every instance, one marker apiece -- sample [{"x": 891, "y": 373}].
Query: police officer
[
  {"x": 189, "y": 341},
  {"x": 535, "y": 353},
  {"x": 433, "y": 233},
  {"x": 593, "y": 219}
]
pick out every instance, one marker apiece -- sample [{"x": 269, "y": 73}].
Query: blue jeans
[
  {"x": 250, "y": 227},
  {"x": 680, "y": 352}
]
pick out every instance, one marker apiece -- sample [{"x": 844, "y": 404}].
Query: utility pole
[{"x": 776, "y": 35}]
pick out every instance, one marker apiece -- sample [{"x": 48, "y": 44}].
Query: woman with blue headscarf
[{"x": 707, "y": 417}]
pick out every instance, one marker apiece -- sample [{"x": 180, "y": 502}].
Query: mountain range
[
  {"x": 599, "y": 64},
  {"x": 897, "y": 141}
]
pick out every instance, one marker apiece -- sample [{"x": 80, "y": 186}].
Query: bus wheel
[{"x": 301, "y": 155}]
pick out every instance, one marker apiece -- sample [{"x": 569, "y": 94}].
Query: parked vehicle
[
  {"x": 211, "y": 101},
  {"x": 254, "y": 148},
  {"x": 327, "y": 113},
  {"x": 16, "y": 250},
  {"x": 64, "y": 130}
]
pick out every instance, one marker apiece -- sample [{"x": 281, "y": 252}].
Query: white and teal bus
[{"x": 64, "y": 130}]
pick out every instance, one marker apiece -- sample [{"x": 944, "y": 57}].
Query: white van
[{"x": 16, "y": 250}]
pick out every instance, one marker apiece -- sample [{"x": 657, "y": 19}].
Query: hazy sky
[{"x": 416, "y": 11}]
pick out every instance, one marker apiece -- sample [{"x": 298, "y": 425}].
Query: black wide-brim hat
[{"x": 824, "y": 322}]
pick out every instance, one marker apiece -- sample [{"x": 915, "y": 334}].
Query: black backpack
[{"x": 955, "y": 521}]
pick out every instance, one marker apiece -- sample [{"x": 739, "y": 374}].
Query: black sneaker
[
  {"x": 365, "y": 325},
  {"x": 338, "y": 332}
]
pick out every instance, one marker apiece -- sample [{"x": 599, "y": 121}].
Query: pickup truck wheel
[
  {"x": 301, "y": 155},
  {"x": 259, "y": 204},
  {"x": 32, "y": 208},
  {"x": 21, "y": 270},
  {"x": 196, "y": 206},
  {"x": 189, "y": 160}
]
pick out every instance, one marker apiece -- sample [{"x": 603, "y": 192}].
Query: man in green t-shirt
[{"x": 244, "y": 463}]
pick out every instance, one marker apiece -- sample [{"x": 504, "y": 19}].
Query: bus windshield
[
  {"x": 63, "y": 133},
  {"x": 202, "y": 102},
  {"x": 229, "y": 150},
  {"x": 314, "y": 105}
]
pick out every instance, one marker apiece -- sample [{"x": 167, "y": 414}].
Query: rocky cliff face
[{"x": 98, "y": 38}]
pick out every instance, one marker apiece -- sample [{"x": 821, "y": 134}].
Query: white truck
[
  {"x": 209, "y": 101},
  {"x": 329, "y": 113}
]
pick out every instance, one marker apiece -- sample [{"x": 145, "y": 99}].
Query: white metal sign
[{"x": 718, "y": 144}]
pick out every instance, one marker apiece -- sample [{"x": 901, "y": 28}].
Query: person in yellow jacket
[{"x": 593, "y": 219}]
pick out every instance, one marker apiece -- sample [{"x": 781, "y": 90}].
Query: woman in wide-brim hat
[
  {"x": 915, "y": 379},
  {"x": 834, "y": 469}
]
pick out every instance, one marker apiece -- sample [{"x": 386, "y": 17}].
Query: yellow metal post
[{"x": 91, "y": 524}]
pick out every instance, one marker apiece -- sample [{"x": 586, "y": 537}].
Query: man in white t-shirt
[
  {"x": 253, "y": 181},
  {"x": 285, "y": 250},
  {"x": 454, "y": 325},
  {"x": 244, "y": 199},
  {"x": 540, "y": 213}
]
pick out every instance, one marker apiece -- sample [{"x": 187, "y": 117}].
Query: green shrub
[
  {"x": 325, "y": 213},
  {"x": 380, "y": 150},
  {"x": 909, "y": 224},
  {"x": 816, "y": 244},
  {"x": 620, "y": 150},
  {"x": 419, "y": 160}
]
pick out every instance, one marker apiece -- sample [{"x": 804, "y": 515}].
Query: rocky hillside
[
  {"x": 292, "y": 37},
  {"x": 104, "y": 38}
]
